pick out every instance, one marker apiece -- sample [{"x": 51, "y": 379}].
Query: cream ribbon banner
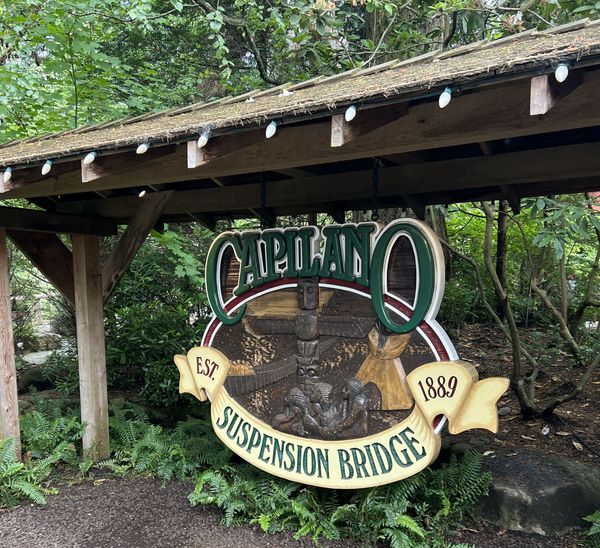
[{"x": 439, "y": 388}]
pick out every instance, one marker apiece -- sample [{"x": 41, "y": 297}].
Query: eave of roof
[{"x": 465, "y": 67}]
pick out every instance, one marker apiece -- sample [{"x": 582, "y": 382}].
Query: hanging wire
[{"x": 374, "y": 198}]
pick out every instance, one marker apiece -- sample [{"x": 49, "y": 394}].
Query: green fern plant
[
  {"x": 408, "y": 514},
  {"x": 593, "y": 535},
  {"x": 19, "y": 481}
]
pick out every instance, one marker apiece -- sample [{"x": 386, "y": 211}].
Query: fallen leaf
[
  {"x": 561, "y": 433},
  {"x": 577, "y": 445},
  {"x": 488, "y": 453},
  {"x": 511, "y": 454},
  {"x": 527, "y": 438}
]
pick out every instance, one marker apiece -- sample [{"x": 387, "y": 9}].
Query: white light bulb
[
  {"x": 271, "y": 129},
  {"x": 142, "y": 194},
  {"x": 445, "y": 98},
  {"x": 7, "y": 174},
  {"x": 204, "y": 137},
  {"x": 47, "y": 167},
  {"x": 350, "y": 113},
  {"x": 89, "y": 158},
  {"x": 143, "y": 148},
  {"x": 561, "y": 72}
]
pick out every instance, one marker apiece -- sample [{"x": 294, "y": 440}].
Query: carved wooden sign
[{"x": 324, "y": 363}]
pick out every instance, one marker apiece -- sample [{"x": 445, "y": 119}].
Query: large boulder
[{"x": 539, "y": 494}]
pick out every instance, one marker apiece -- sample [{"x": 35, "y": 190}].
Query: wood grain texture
[
  {"x": 90, "y": 345},
  {"x": 50, "y": 256},
  {"x": 9, "y": 403},
  {"x": 148, "y": 211}
]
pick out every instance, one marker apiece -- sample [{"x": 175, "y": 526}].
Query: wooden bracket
[
  {"x": 148, "y": 212},
  {"x": 366, "y": 121},
  {"x": 415, "y": 203},
  {"x": 546, "y": 92},
  {"x": 51, "y": 257}
]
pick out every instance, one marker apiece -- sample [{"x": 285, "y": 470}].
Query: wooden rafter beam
[
  {"x": 34, "y": 220},
  {"x": 546, "y": 92},
  {"x": 559, "y": 163},
  {"x": 52, "y": 258},
  {"x": 147, "y": 213},
  {"x": 486, "y": 115},
  {"x": 512, "y": 197},
  {"x": 221, "y": 147},
  {"x": 103, "y": 166},
  {"x": 366, "y": 121}
]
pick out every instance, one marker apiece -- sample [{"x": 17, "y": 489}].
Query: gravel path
[{"x": 133, "y": 512}]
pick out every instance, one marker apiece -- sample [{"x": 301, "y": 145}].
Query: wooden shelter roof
[
  {"x": 463, "y": 68},
  {"x": 511, "y": 130}
]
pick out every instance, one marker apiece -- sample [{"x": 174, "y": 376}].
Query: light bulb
[
  {"x": 271, "y": 129},
  {"x": 204, "y": 137},
  {"x": 47, "y": 167},
  {"x": 7, "y": 174},
  {"x": 350, "y": 113},
  {"x": 561, "y": 72},
  {"x": 142, "y": 194},
  {"x": 89, "y": 158},
  {"x": 445, "y": 98},
  {"x": 143, "y": 148}
]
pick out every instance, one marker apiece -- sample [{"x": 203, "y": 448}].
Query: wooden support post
[
  {"x": 9, "y": 403},
  {"x": 87, "y": 272}
]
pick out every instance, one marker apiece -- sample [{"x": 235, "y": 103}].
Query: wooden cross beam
[{"x": 34, "y": 220}]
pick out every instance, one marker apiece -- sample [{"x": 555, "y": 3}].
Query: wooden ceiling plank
[
  {"x": 489, "y": 114},
  {"x": 50, "y": 256},
  {"x": 33, "y": 220},
  {"x": 149, "y": 210}
]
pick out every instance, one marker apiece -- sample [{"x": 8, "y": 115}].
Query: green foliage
[
  {"x": 593, "y": 535},
  {"x": 61, "y": 369},
  {"x": 143, "y": 448},
  {"x": 19, "y": 481},
  {"x": 414, "y": 512},
  {"x": 158, "y": 310}
]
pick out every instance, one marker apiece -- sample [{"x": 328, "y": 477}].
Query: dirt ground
[
  {"x": 138, "y": 512},
  {"x": 574, "y": 432}
]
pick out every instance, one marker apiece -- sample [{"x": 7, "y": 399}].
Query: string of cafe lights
[{"x": 561, "y": 73}]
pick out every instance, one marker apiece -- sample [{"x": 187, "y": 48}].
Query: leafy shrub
[
  {"x": 61, "y": 369},
  {"x": 411, "y": 513},
  {"x": 21, "y": 481},
  {"x": 144, "y": 448},
  {"x": 593, "y": 535}
]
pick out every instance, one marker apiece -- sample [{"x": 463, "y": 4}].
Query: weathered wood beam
[
  {"x": 546, "y": 92},
  {"x": 485, "y": 115},
  {"x": 103, "y": 166},
  {"x": 221, "y": 147},
  {"x": 41, "y": 221},
  {"x": 9, "y": 402},
  {"x": 89, "y": 313},
  {"x": 566, "y": 163},
  {"x": 148, "y": 212},
  {"x": 24, "y": 177},
  {"x": 366, "y": 121},
  {"x": 52, "y": 258}
]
